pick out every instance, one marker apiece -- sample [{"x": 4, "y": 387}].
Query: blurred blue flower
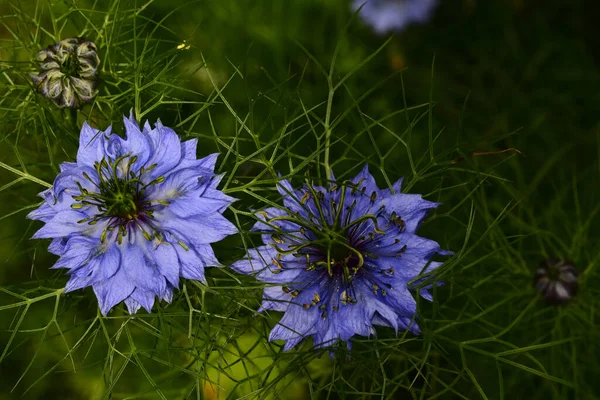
[
  {"x": 341, "y": 259},
  {"x": 133, "y": 215},
  {"x": 393, "y": 15}
]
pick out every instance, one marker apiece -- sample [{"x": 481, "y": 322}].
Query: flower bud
[
  {"x": 556, "y": 280},
  {"x": 68, "y": 72}
]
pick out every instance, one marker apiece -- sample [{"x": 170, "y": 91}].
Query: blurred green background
[{"x": 515, "y": 78}]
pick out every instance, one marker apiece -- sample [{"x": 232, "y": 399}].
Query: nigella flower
[
  {"x": 339, "y": 260},
  {"x": 556, "y": 280},
  {"x": 393, "y": 15},
  {"x": 68, "y": 72},
  {"x": 132, "y": 216}
]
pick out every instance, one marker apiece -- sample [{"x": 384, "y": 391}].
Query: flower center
[
  {"x": 553, "y": 272},
  {"x": 338, "y": 250},
  {"x": 325, "y": 237},
  {"x": 119, "y": 197},
  {"x": 340, "y": 258},
  {"x": 70, "y": 65}
]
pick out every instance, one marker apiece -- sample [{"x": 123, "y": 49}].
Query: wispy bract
[
  {"x": 132, "y": 216},
  {"x": 341, "y": 259},
  {"x": 68, "y": 72},
  {"x": 393, "y": 15}
]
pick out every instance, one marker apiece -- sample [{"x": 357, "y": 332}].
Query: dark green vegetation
[{"x": 262, "y": 83}]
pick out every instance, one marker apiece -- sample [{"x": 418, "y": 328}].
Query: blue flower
[
  {"x": 393, "y": 15},
  {"x": 132, "y": 216},
  {"x": 339, "y": 260}
]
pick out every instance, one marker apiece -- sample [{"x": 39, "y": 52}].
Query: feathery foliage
[{"x": 481, "y": 110}]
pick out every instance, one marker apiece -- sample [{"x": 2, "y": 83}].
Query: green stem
[
  {"x": 73, "y": 115},
  {"x": 328, "y": 131}
]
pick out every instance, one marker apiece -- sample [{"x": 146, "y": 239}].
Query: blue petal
[
  {"x": 132, "y": 305},
  {"x": 137, "y": 143},
  {"x": 113, "y": 145},
  {"x": 146, "y": 128},
  {"x": 113, "y": 291},
  {"x": 285, "y": 188},
  {"x": 108, "y": 263},
  {"x": 188, "y": 150},
  {"x": 44, "y": 213},
  {"x": 273, "y": 212},
  {"x": 398, "y": 302},
  {"x": 209, "y": 162},
  {"x": 295, "y": 325},
  {"x": 410, "y": 325},
  {"x": 78, "y": 282},
  {"x": 80, "y": 245},
  {"x": 167, "y": 150},
  {"x": 291, "y": 197},
  {"x": 167, "y": 262},
  {"x": 62, "y": 224},
  {"x": 214, "y": 181},
  {"x": 343, "y": 323},
  {"x": 144, "y": 298},
  {"x": 396, "y": 187},
  {"x": 137, "y": 269},
  {"x": 200, "y": 202},
  {"x": 413, "y": 259},
  {"x": 424, "y": 292},
  {"x": 67, "y": 182},
  {"x": 73, "y": 260},
  {"x": 168, "y": 294},
  {"x": 95, "y": 269},
  {"x": 197, "y": 229},
  {"x": 90, "y": 145},
  {"x": 57, "y": 246},
  {"x": 67, "y": 166},
  {"x": 274, "y": 299},
  {"x": 365, "y": 180},
  {"x": 190, "y": 264},
  {"x": 207, "y": 256},
  {"x": 412, "y": 208},
  {"x": 178, "y": 183},
  {"x": 260, "y": 264}
]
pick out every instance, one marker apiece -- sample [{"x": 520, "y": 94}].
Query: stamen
[
  {"x": 305, "y": 198},
  {"x": 276, "y": 263},
  {"x": 277, "y": 239}
]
